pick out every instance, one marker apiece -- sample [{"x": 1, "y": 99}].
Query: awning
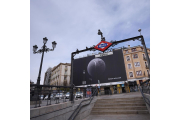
[{"x": 142, "y": 78}]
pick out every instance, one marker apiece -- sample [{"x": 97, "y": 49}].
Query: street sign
[{"x": 103, "y": 45}]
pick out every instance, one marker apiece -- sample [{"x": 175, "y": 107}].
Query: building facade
[
  {"x": 47, "y": 76},
  {"x": 136, "y": 65},
  {"x": 60, "y": 75}
]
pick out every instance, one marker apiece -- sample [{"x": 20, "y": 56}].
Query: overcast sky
[{"x": 74, "y": 24}]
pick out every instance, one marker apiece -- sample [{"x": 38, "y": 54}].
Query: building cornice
[
  {"x": 134, "y": 47},
  {"x": 69, "y": 64},
  {"x": 135, "y": 52}
]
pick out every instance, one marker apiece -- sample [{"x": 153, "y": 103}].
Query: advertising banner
[{"x": 107, "y": 67}]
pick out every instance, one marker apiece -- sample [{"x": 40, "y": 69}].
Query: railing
[
  {"x": 44, "y": 95},
  {"x": 76, "y": 111},
  {"x": 145, "y": 98},
  {"x": 145, "y": 88}
]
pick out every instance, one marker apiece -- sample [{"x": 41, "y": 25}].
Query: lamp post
[
  {"x": 44, "y": 49},
  {"x": 90, "y": 81},
  {"x": 84, "y": 77},
  {"x": 84, "y": 83},
  {"x": 100, "y": 33}
]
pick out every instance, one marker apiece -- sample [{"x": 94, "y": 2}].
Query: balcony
[
  {"x": 66, "y": 68},
  {"x": 147, "y": 67},
  {"x": 144, "y": 58}
]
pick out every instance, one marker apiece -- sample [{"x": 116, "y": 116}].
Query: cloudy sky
[{"x": 74, "y": 24}]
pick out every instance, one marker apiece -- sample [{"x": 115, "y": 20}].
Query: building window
[
  {"x": 133, "y": 49},
  {"x": 130, "y": 74},
  {"x": 136, "y": 64},
  {"x": 127, "y": 58},
  {"x": 148, "y": 72},
  {"x": 126, "y": 51},
  {"x": 83, "y": 82},
  {"x": 144, "y": 57},
  {"x": 135, "y": 55},
  {"x": 139, "y": 73},
  {"x": 129, "y": 66},
  {"x": 146, "y": 65}
]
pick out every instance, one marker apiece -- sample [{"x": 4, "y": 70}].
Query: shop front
[{"x": 133, "y": 86}]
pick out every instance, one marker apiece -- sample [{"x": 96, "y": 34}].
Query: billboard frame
[{"x": 114, "y": 43}]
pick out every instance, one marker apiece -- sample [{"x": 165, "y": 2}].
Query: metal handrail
[
  {"x": 81, "y": 106},
  {"x": 144, "y": 96},
  {"x": 145, "y": 82}
]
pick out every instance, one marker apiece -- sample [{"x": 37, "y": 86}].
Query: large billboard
[{"x": 107, "y": 67}]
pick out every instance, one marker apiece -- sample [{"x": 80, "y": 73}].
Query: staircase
[{"x": 116, "y": 106}]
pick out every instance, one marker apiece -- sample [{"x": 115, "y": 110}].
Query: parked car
[
  {"x": 59, "y": 96},
  {"x": 67, "y": 95},
  {"x": 41, "y": 97},
  {"x": 46, "y": 97},
  {"x": 52, "y": 96},
  {"x": 81, "y": 94},
  {"x": 78, "y": 95}
]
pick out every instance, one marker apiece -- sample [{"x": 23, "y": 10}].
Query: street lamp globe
[
  {"x": 35, "y": 47},
  {"x": 54, "y": 44},
  {"x": 45, "y": 40}
]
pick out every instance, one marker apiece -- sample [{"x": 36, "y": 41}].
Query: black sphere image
[{"x": 96, "y": 67}]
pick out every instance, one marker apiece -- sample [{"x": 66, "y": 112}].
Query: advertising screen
[{"x": 106, "y": 67}]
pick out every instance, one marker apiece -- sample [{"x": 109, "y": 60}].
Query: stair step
[
  {"x": 130, "y": 101},
  {"x": 112, "y": 112},
  {"x": 134, "y": 98},
  {"x": 121, "y": 108},
  {"x": 119, "y": 104}
]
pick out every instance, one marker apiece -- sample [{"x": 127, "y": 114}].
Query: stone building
[
  {"x": 47, "y": 76},
  {"x": 60, "y": 74}
]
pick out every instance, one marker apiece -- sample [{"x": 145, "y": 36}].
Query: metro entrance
[{"x": 103, "y": 46}]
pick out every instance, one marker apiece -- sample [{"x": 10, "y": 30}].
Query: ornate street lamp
[
  {"x": 44, "y": 49},
  {"x": 100, "y": 33}
]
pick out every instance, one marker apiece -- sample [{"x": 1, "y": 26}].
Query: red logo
[{"x": 103, "y": 45}]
